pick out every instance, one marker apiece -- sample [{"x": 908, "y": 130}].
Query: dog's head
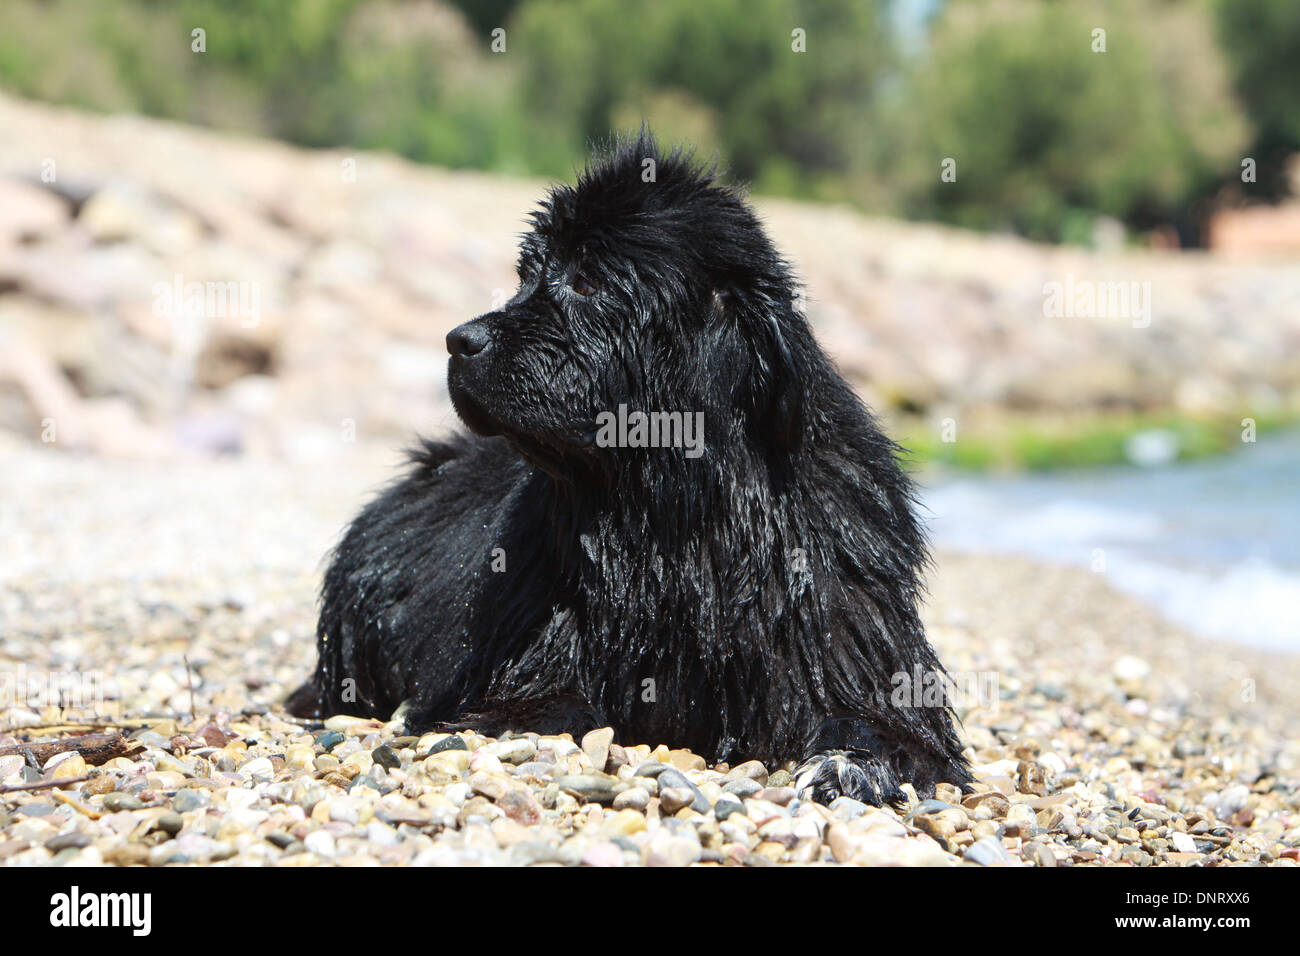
[{"x": 649, "y": 286}]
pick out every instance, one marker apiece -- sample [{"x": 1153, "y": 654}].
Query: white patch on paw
[{"x": 810, "y": 769}]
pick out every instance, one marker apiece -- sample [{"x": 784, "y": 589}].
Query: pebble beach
[{"x": 172, "y": 610}]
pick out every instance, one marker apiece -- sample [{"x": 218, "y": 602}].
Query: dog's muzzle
[{"x": 468, "y": 344}]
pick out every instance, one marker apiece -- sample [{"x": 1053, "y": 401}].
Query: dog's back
[{"x": 397, "y": 601}]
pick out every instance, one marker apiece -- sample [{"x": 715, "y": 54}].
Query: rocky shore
[
  {"x": 166, "y": 290},
  {"x": 175, "y": 609}
]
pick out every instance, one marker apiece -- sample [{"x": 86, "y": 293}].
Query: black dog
[{"x": 584, "y": 560}]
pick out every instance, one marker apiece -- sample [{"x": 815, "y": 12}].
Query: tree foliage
[
  {"x": 814, "y": 98},
  {"x": 1050, "y": 123}
]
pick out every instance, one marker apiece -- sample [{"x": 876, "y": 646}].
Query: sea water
[{"x": 1214, "y": 544}]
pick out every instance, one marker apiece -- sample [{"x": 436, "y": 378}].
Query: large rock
[
  {"x": 351, "y": 267},
  {"x": 30, "y": 213}
]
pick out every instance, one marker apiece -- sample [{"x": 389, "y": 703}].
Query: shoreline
[{"x": 1007, "y": 443}]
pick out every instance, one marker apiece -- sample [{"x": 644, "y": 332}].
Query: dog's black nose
[{"x": 468, "y": 339}]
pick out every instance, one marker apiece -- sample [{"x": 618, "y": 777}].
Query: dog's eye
[{"x": 582, "y": 285}]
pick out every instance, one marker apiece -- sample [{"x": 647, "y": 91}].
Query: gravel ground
[{"x": 178, "y": 606}]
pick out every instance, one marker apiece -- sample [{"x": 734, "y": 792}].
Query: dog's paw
[
  {"x": 305, "y": 702},
  {"x": 859, "y": 774}
]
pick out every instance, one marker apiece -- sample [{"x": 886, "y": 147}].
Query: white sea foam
[{"x": 1202, "y": 557}]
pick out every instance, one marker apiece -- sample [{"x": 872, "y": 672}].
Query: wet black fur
[{"x": 751, "y": 603}]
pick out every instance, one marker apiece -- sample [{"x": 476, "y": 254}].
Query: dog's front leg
[
  {"x": 554, "y": 714},
  {"x": 848, "y": 772},
  {"x": 852, "y": 757}
]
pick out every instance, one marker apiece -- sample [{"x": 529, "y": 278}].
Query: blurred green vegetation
[
  {"x": 1048, "y": 136},
  {"x": 1083, "y": 441},
  {"x": 1051, "y": 125},
  {"x": 1262, "y": 42}
]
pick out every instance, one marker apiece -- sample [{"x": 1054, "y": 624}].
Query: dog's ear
[
  {"x": 785, "y": 402},
  {"x": 774, "y": 394}
]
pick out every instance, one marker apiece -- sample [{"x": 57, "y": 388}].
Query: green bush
[
  {"x": 1047, "y": 135},
  {"x": 1262, "y": 41},
  {"x": 593, "y": 64},
  {"x": 1042, "y": 128}
]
